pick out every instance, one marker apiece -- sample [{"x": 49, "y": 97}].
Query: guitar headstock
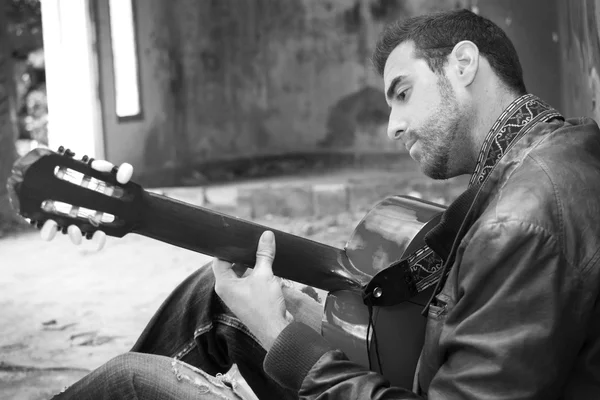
[{"x": 48, "y": 185}]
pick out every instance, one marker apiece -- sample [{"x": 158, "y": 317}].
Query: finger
[
  {"x": 98, "y": 240},
  {"x": 124, "y": 173},
  {"x": 74, "y": 234},
  {"x": 303, "y": 308},
  {"x": 223, "y": 270},
  {"x": 265, "y": 254},
  {"x": 49, "y": 229},
  {"x": 288, "y": 316},
  {"x": 286, "y": 283}
]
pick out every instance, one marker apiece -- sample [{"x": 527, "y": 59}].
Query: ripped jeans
[{"x": 191, "y": 341}]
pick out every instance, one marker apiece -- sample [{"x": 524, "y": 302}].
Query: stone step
[{"x": 316, "y": 196}]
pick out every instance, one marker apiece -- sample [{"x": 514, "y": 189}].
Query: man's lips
[{"x": 409, "y": 141}]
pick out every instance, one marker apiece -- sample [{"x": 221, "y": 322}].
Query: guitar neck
[{"x": 235, "y": 240}]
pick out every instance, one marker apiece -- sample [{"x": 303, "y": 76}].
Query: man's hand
[
  {"x": 50, "y": 228},
  {"x": 256, "y": 299}
]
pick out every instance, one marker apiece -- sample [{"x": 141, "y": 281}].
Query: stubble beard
[
  {"x": 443, "y": 127},
  {"x": 438, "y": 143}
]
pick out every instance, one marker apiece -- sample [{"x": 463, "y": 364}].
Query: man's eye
[{"x": 401, "y": 95}]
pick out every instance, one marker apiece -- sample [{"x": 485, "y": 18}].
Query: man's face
[{"x": 425, "y": 113}]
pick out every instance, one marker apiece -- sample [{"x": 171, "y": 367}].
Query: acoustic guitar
[{"x": 377, "y": 285}]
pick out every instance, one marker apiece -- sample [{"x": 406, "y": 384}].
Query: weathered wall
[
  {"x": 231, "y": 78},
  {"x": 580, "y": 57},
  {"x": 532, "y": 26},
  {"x": 228, "y": 79}
]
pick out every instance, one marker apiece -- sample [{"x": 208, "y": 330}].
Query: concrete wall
[
  {"x": 229, "y": 78},
  {"x": 532, "y": 26},
  {"x": 580, "y": 57}
]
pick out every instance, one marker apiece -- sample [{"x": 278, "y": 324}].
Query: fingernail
[{"x": 267, "y": 237}]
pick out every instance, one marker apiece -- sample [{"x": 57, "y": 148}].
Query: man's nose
[{"x": 396, "y": 127}]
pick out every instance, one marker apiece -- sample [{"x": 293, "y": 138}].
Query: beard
[{"x": 438, "y": 135}]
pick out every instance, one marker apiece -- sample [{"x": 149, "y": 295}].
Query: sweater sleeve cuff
[{"x": 295, "y": 351}]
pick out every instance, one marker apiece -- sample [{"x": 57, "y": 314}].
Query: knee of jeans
[{"x": 123, "y": 368}]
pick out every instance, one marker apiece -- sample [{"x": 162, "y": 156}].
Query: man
[{"x": 516, "y": 315}]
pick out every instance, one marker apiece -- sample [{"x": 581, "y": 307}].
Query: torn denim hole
[{"x": 218, "y": 385}]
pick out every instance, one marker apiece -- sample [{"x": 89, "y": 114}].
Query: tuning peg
[
  {"x": 124, "y": 173},
  {"x": 74, "y": 234},
  {"x": 49, "y": 230},
  {"x": 102, "y": 165},
  {"x": 65, "y": 152},
  {"x": 85, "y": 159}
]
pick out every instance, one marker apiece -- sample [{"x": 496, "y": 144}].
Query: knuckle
[{"x": 265, "y": 254}]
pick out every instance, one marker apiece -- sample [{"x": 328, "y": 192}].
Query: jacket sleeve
[
  {"x": 519, "y": 319},
  {"x": 302, "y": 360},
  {"x": 513, "y": 332}
]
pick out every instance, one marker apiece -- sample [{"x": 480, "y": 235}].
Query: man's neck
[{"x": 488, "y": 114}]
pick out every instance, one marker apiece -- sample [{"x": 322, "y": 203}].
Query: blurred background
[
  {"x": 195, "y": 92},
  {"x": 266, "y": 109}
]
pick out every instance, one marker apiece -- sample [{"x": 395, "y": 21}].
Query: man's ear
[{"x": 464, "y": 60}]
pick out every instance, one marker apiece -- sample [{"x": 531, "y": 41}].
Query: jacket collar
[{"x": 518, "y": 119}]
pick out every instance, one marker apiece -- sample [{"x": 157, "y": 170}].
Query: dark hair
[{"x": 435, "y": 35}]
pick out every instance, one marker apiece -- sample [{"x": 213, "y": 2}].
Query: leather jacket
[{"x": 518, "y": 315}]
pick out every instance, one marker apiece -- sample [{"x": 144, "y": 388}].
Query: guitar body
[
  {"x": 47, "y": 185},
  {"x": 393, "y": 229}
]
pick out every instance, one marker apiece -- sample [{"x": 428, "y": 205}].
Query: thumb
[{"x": 265, "y": 254}]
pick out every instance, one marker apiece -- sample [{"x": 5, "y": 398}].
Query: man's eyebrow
[{"x": 392, "y": 89}]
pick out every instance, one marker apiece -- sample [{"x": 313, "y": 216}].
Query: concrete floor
[{"x": 65, "y": 310}]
